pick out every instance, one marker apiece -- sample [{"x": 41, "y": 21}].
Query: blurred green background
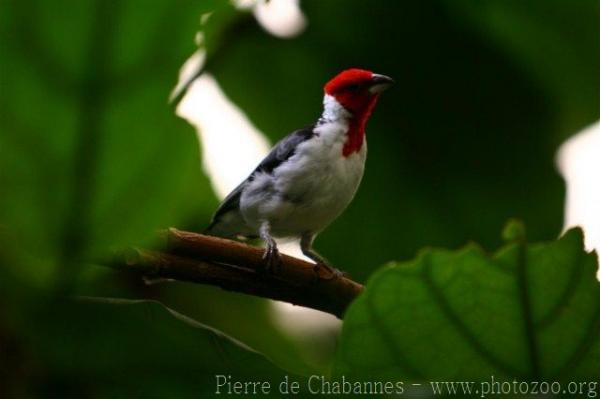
[{"x": 93, "y": 158}]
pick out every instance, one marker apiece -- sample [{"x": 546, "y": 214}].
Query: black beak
[{"x": 380, "y": 83}]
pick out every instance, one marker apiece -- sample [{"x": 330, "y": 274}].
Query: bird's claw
[
  {"x": 333, "y": 272},
  {"x": 272, "y": 259}
]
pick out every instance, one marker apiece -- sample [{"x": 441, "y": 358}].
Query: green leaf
[
  {"x": 527, "y": 312},
  {"x": 134, "y": 348},
  {"x": 92, "y": 155},
  {"x": 514, "y": 231},
  {"x": 540, "y": 35},
  {"x": 250, "y": 319}
]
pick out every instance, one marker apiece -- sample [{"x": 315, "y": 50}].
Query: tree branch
[{"x": 235, "y": 266}]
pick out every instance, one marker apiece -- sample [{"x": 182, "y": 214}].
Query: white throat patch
[{"x": 333, "y": 110}]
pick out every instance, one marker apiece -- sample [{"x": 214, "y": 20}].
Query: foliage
[
  {"x": 92, "y": 157},
  {"x": 131, "y": 348},
  {"x": 467, "y": 137},
  {"x": 530, "y": 312}
]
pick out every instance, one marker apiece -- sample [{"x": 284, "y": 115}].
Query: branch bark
[{"x": 238, "y": 267}]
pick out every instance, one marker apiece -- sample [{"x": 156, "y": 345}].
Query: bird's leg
[
  {"x": 306, "y": 242},
  {"x": 271, "y": 256}
]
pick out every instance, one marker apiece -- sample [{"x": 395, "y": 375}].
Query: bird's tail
[
  {"x": 229, "y": 225},
  {"x": 217, "y": 229}
]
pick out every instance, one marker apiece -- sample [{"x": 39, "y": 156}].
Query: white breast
[{"x": 311, "y": 189}]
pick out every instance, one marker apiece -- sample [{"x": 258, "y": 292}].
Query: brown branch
[{"x": 235, "y": 266}]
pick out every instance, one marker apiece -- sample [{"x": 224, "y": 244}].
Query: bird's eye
[{"x": 353, "y": 87}]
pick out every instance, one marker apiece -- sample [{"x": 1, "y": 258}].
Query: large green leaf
[
  {"x": 92, "y": 156},
  {"x": 247, "y": 318},
  {"x": 106, "y": 348},
  {"x": 528, "y": 312}
]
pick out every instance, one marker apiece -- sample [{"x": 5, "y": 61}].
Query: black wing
[
  {"x": 280, "y": 153},
  {"x": 230, "y": 203},
  {"x": 284, "y": 149}
]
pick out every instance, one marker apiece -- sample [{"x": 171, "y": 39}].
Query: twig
[{"x": 238, "y": 267}]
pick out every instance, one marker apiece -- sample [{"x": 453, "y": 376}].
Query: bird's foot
[
  {"x": 332, "y": 271},
  {"x": 272, "y": 259}
]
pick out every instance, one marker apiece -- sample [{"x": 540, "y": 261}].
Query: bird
[{"x": 310, "y": 176}]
